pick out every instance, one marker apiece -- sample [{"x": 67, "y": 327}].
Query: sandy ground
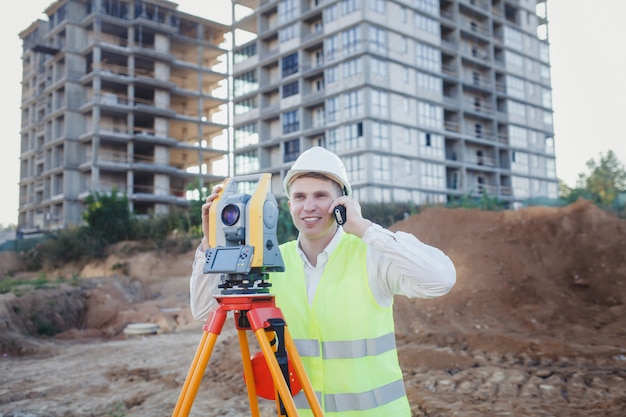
[{"x": 536, "y": 326}]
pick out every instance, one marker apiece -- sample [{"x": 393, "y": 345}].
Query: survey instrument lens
[{"x": 230, "y": 214}]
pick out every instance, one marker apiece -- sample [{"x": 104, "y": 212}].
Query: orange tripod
[{"x": 256, "y": 312}]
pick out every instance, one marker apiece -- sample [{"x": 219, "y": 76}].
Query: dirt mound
[
  {"x": 129, "y": 286},
  {"x": 557, "y": 272},
  {"x": 535, "y": 326}
]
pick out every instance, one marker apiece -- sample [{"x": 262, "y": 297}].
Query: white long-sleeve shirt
[{"x": 397, "y": 264}]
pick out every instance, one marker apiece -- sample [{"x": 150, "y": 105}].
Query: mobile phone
[{"x": 340, "y": 214}]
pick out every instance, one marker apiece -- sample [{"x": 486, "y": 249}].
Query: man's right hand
[{"x": 205, "y": 215}]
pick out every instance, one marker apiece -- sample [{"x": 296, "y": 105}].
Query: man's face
[{"x": 309, "y": 202}]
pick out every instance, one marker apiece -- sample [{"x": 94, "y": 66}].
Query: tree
[
  {"x": 109, "y": 217},
  {"x": 607, "y": 179},
  {"x": 603, "y": 185}
]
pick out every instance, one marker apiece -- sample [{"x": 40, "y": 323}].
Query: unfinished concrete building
[
  {"x": 426, "y": 101},
  {"x": 120, "y": 94}
]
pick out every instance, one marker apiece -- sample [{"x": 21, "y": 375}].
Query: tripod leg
[
  {"x": 199, "y": 363},
  {"x": 302, "y": 375},
  {"x": 248, "y": 373},
  {"x": 194, "y": 363},
  {"x": 277, "y": 375}
]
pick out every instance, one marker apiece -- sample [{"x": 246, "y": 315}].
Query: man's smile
[{"x": 311, "y": 219}]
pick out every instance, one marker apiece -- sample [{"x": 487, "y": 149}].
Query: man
[{"x": 336, "y": 293}]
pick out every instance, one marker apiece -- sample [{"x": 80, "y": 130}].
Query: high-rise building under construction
[
  {"x": 125, "y": 95},
  {"x": 424, "y": 100}
]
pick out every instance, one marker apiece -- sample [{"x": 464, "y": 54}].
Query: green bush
[
  {"x": 44, "y": 327},
  {"x": 108, "y": 216},
  {"x": 178, "y": 222},
  {"x": 110, "y": 221},
  {"x": 7, "y": 284},
  {"x": 69, "y": 245},
  {"x": 484, "y": 202},
  {"x": 285, "y": 230}
]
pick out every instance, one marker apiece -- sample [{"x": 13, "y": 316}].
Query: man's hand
[
  {"x": 205, "y": 215},
  {"x": 355, "y": 223}
]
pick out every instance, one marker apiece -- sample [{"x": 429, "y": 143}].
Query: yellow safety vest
[{"x": 345, "y": 338}]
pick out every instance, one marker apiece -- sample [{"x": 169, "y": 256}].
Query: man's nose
[{"x": 309, "y": 204}]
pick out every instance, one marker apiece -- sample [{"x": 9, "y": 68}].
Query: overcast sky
[{"x": 588, "y": 65}]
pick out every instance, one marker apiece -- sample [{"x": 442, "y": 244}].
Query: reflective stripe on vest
[
  {"x": 344, "y": 337},
  {"x": 345, "y": 349},
  {"x": 336, "y": 403}
]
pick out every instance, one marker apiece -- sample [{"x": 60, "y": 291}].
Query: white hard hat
[{"x": 318, "y": 159}]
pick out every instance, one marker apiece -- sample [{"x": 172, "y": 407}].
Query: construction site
[{"x": 535, "y": 326}]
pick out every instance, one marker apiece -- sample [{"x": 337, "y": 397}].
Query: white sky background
[{"x": 587, "y": 54}]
